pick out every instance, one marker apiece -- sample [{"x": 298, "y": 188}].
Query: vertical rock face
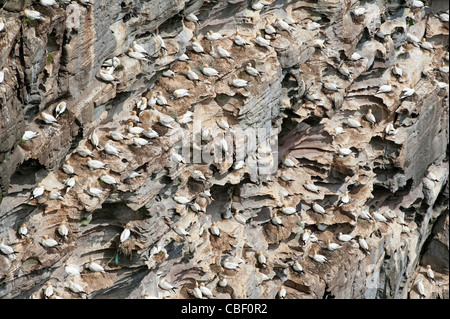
[{"x": 396, "y": 167}]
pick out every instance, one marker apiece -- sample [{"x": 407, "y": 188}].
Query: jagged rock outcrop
[{"x": 287, "y": 109}]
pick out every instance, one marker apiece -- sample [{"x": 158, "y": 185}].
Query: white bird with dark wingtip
[
  {"x": 179, "y": 93},
  {"x": 23, "y": 230},
  {"x": 117, "y": 136},
  {"x": 397, "y": 70},
  {"x": 430, "y": 272},
  {"x": 93, "y": 191},
  {"x": 181, "y": 199},
  {"x": 136, "y": 55},
  {"x": 262, "y": 259},
  {"x": 311, "y": 187},
  {"x": 330, "y": 86},
  {"x": 407, "y": 92},
  {"x": 138, "y": 48},
  {"x": 390, "y": 129},
  {"x": 4, "y": 248},
  {"x": 48, "y": 291},
  {"x": 29, "y": 135},
  {"x": 213, "y": 36},
  {"x": 139, "y": 141},
  {"x": 333, "y": 246},
  {"x": 48, "y": 119},
  {"x": 38, "y": 191},
  {"x": 238, "y": 40},
  {"x": 70, "y": 183},
  {"x": 206, "y": 70},
  {"x": 385, "y": 88},
  {"x": 110, "y": 149},
  {"x": 276, "y": 220},
  {"x": 257, "y": 5},
  {"x": 370, "y": 117},
  {"x": 165, "y": 120},
  {"x": 281, "y": 24},
  {"x": 344, "y": 237},
  {"x": 180, "y": 230},
  {"x": 214, "y": 229},
  {"x": 48, "y": 242},
  {"x": 420, "y": 288},
  {"x": 196, "y": 46},
  {"x": 197, "y": 292},
  {"x": 356, "y": 56},
  {"x": 298, "y": 267},
  {"x": 320, "y": 258},
  {"x": 269, "y": 28},
  {"x": 32, "y": 14},
  {"x": 125, "y": 235},
  {"x": 106, "y": 76},
  {"x": 63, "y": 231},
  {"x": 281, "y": 292},
  {"x": 239, "y": 218},
  {"x": 206, "y": 291},
  {"x": 363, "y": 244},
  {"x": 288, "y": 210},
  {"x": 238, "y": 83},
  {"x": 251, "y": 70},
  {"x": 95, "y": 267},
  {"x": 71, "y": 270},
  {"x": 262, "y": 42},
  {"x": 352, "y": 122},
  {"x": 378, "y": 217},
  {"x": 74, "y": 287},
  {"x": 60, "y": 108},
  {"x": 108, "y": 179},
  {"x": 318, "y": 208}
]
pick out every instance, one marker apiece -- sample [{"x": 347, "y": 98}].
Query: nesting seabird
[
  {"x": 136, "y": 55},
  {"x": 206, "y": 70},
  {"x": 238, "y": 40},
  {"x": 196, "y": 46},
  {"x": 191, "y": 75},
  {"x": 239, "y": 218},
  {"x": 352, "y": 122},
  {"x": 238, "y": 83},
  {"x": 288, "y": 210},
  {"x": 32, "y": 14},
  {"x": 318, "y": 208},
  {"x": 397, "y": 70},
  {"x": 330, "y": 86},
  {"x": 48, "y": 291},
  {"x": 139, "y": 141},
  {"x": 370, "y": 117},
  {"x": 206, "y": 291},
  {"x": 262, "y": 259},
  {"x": 29, "y": 135},
  {"x": 4, "y": 248},
  {"x": 269, "y": 28},
  {"x": 333, "y": 246},
  {"x": 23, "y": 230},
  {"x": 70, "y": 183},
  {"x": 110, "y": 149},
  {"x": 38, "y": 191},
  {"x": 213, "y": 36},
  {"x": 177, "y": 158},
  {"x": 262, "y": 42},
  {"x": 83, "y": 151},
  {"x": 379, "y": 217},
  {"x": 48, "y": 118},
  {"x": 320, "y": 258},
  {"x": 164, "y": 284},
  {"x": 179, "y": 93},
  {"x": 197, "y": 292},
  {"x": 311, "y": 187},
  {"x": 63, "y": 231},
  {"x": 430, "y": 272},
  {"x": 74, "y": 287},
  {"x": 95, "y": 267},
  {"x": 125, "y": 235},
  {"x": 420, "y": 288},
  {"x": 344, "y": 237},
  {"x": 106, "y": 76},
  {"x": 181, "y": 199},
  {"x": 150, "y": 133},
  {"x": 281, "y": 24},
  {"x": 251, "y": 70},
  {"x": 363, "y": 244},
  {"x": 71, "y": 270},
  {"x": 60, "y": 108},
  {"x": 222, "y": 281},
  {"x": 407, "y": 92},
  {"x": 48, "y": 242},
  {"x": 108, "y": 179}
]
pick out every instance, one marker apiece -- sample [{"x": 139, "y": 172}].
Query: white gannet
[
  {"x": 251, "y": 70},
  {"x": 179, "y": 93},
  {"x": 363, "y": 244},
  {"x": 74, "y": 287},
  {"x": 23, "y": 230},
  {"x": 60, "y": 108},
  {"x": 138, "y": 48},
  {"x": 430, "y": 272},
  {"x": 136, "y": 55},
  {"x": 135, "y": 130},
  {"x": 352, "y": 122},
  {"x": 370, "y": 117},
  {"x": 389, "y": 214},
  {"x": 318, "y": 208},
  {"x": 311, "y": 187},
  {"x": 93, "y": 191},
  {"x": 110, "y": 149},
  {"x": 407, "y": 92},
  {"x": 213, "y": 36},
  {"x": 185, "y": 118},
  {"x": 181, "y": 199},
  {"x": 330, "y": 86},
  {"x": 333, "y": 246},
  {"x": 71, "y": 270},
  {"x": 378, "y": 217},
  {"x": 117, "y": 136},
  {"x": 63, "y": 231},
  {"x": 390, "y": 129},
  {"x": 442, "y": 85},
  {"x": 152, "y": 100},
  {"x": 95, "y": 267},
  {"x": 238, "y": 83},
  {"x": 320, "y": 258},
  {"x": 397, "y": 70},
  {"x": 262, "y": 259},
  {"x": 205, "y": 193},
  {"x": 32, "y": 14},
  {"x": 223, "y": 142},
  {"x": 276, "y": 220},
  {"x": 214, "y": 229},
  {"x": 426, "y": 45},
  {"x": 142, "y": 104},
  {"x": 443, "y": 17},
  {"x": 198, "y": 175},
  {"x": 168, "y": 74},
  {"x": 48, "y": 119},
  {"x": 67, "y": 168},
  {"x": 95, "y": 140},
  {"x": 344, "y": 237},
  {"x": 444, "y": 68},
  {"x": 29, "y": 135},
  {"x": 38, "y": 191},
  {"x": 420, "y": 288},
  {"x": 133, "y": 174},
  {"x": 337, "y": 130},
  {"x": 150, "y": 133},
  {"x": 344, "y": 151},
  {"x": 417, "y": 4},
  {"x": 311, "y": 25},
  {"x": 222, "y": 52},
  {"x": 257, "y": 5},
  {"x": 160, "y": 99},
  {"x": 345, "y": 198},
  {"x": 191, "y": 75},
  {"x": 281, "y": 292},
  {"x": 319, "y": 43},
  {"x": 344, "y": 71},
  {"x": 269, "y": 28},
  {"x": 297, "y": 267},
  {"x": 177, "y": 158},
  {"x": 191, "y": 17},
  {"x": 281, "y": 24},
  {"x": 139, "y": 141},
  {"x": 206, "y": 70},
  {"x": 48, "y": 291},
  {"x": 125, "y": 235},
  {"x": 286, "y": 177},
  {"x": 262, "y": 42},
  {"x": 288, "y": 210},
  {"x": 364, "y": 214},
  {"x": 288, "y": 162},
  {"x": 70, "y": 183},
  {"x": 239, "y": 218},
  {"x": 196, "y": 46},
  {"x": 412, "y": 38},
  {"x": 197, "y": 292},
  {"x": 180, "y": 230},
  {"x": 4, "y": 248},
  {"x": 355, "y": 56},
  {"x": 2, "y": 27},
  {"x": 48, "y": 242},
  {"x": 222, "y": 281},
  {"x": 206, "y": 291},
  {"x": 56, "y": 195},
  {"x": 238, "y": 40},
  {"x": 106, "y": 76},
  {"x": 359, "y": 11},
  {"x": 108, "y": 179},
  {"x": 223, "y": 123},
  {"x": 386, "y": 88}
]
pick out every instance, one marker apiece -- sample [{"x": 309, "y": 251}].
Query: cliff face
[{"x": 286, "y": 108}]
